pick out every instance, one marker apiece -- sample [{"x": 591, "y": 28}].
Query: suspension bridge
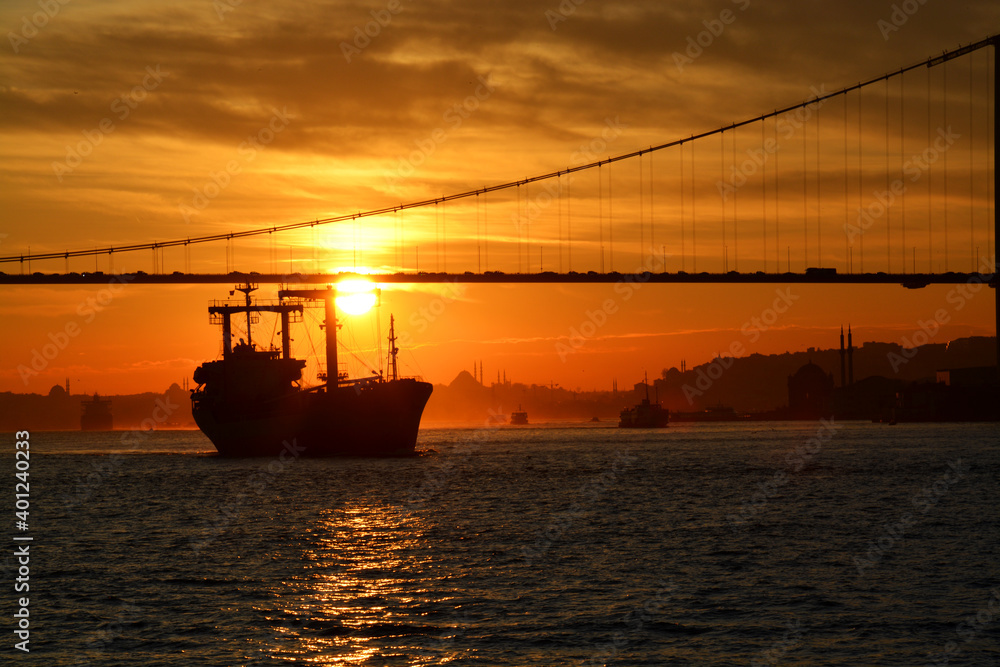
[{"x": 890, "y": 180}]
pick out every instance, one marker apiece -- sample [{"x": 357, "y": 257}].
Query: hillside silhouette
[{"x": 756, "y": 384}]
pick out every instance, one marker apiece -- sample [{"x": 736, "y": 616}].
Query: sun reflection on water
[{"x": 359, "y": 591}]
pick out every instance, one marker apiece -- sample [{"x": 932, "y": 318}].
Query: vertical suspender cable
[
  {"x": 777, "y": 203},
  {"x": 930, "y": 172},
  {"x": 724, "y": 191},
  {"x": 888, "y": 217},
  {"x": 763, "y": 192},
  {"x": 600, "y": 213},
  {"x": 902, "y": 196},
  {"x": 527, "y": 227},
  {"x": 559, "y": 212},
  {"x": 683, "y": 249},
  {"x": 694, "y": 219},
  {"x": 736, "y": 215},
  {"x": 805, "y": 205},
  {"x": 611, "y": 232},
  {"x": 972, "y": 143},
  {"x": 944, "y": 123},
  {"x": 819, "y": 201},
  {"x": 847, "y": 248},
  {"x": 642, "y": 217},
  {"x": 861, "y": 236},
  {"x": 652, "y": 229}
]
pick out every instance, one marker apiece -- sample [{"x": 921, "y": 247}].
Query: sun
[{"x": 356, "y": 297}]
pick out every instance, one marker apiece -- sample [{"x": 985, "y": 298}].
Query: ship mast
[
  {"x": 393, "y": 350},
  {"x": 247, "y": 288},
  {"x": 329, "y": 296}
]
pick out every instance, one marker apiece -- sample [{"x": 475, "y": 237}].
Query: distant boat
[
  {"x": 97, "y": 415},
  {"x": 645, "y": 414},
  {"x": 251, "y": 403},
  {"x": 519, "y": 417},
  {"x": 595, "y": 419}
]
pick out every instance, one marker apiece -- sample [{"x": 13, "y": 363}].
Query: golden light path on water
[{"x": 352, "y": 574}]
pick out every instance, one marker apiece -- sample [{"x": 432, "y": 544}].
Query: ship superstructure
[
  {"x": 96, "y": 415},
  {"x": 645, "y": 414}
]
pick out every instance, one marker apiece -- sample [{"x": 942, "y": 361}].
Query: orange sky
[{"x": 123, "y": 122}]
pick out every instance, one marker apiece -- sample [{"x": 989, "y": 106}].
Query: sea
[{"x": 770, "y": 543}]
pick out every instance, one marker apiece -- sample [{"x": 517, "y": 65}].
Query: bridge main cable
[{"x": 929, "y": 62}]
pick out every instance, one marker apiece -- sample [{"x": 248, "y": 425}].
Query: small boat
[
  {"x": 519, "y": 417},
  {"x": 645, "y": 414}
]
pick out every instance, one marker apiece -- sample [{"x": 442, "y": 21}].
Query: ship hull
[
  {"x": 644, "y": 416},
  {"x": 380, "y": 419}
]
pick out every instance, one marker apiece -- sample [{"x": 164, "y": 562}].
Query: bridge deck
[{"x": 909, "y": 280}]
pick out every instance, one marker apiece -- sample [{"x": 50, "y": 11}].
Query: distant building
[
  {"x": 809, "y": 393},
  {"x": 957, "y": 394}
]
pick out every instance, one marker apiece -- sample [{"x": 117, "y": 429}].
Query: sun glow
[{"x": 356, "y": 297}]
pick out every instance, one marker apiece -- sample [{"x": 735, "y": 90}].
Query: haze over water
[{"x": 553, "y": 545}]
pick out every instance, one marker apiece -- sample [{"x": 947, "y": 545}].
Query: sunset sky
[{"x": 127, "y": 122}]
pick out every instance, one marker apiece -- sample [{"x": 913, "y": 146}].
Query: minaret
[
  {"x": 850, "y": 357},
  {"x": 843, "y": 361}
]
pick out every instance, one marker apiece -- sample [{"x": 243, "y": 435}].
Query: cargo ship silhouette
[{"x": 252, "y": 402}]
